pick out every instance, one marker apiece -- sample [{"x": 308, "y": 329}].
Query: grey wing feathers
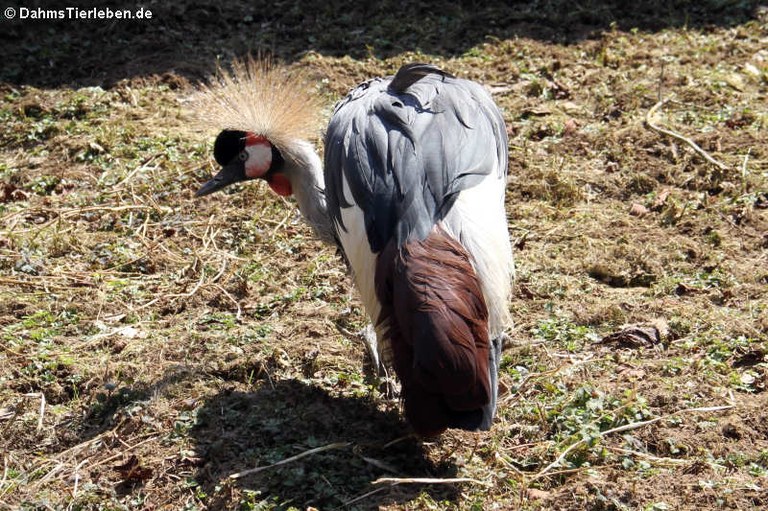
[
  {"x": 406, "y": 147},
  {"x": 411, "y": 73}
]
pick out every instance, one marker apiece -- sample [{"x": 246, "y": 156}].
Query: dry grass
[{"x": 153, "y": 345}]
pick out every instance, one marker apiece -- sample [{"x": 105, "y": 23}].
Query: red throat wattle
[{"x": 280, "y": 185}]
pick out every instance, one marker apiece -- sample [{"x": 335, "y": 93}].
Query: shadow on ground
[
  {"x": 238, "y": 431},
  {"x": 185, "y": 37}
]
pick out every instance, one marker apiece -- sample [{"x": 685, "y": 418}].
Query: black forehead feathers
[{"x": 228, "y": 145}]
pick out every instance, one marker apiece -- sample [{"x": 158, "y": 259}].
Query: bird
[{"x": 411, "y": 189}]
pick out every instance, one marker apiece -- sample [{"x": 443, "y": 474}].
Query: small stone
[
  {"x": 638, "y": 209},
  {"x": 570, "y": 127}
]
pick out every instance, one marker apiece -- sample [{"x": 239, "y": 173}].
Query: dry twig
[
  {"x": 363, "y": 496},
  {"x": 428, "y": 480},
  {"x": 336, "y": 445},
  {"x": 42, "y": 408},
  {"x": 651, "y": 457},
  {"x": 649, "y": 117},
  {"x": 139, "y": 168}
]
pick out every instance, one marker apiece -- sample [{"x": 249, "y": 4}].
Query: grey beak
[{"x": 229, "y": 174}]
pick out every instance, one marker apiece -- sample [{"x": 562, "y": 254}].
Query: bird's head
[
  {"x": 243, "y": 156},
  {"x": 269, "y": 114}
]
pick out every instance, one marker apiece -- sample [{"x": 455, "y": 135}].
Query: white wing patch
[
  {"x": 362, "y": 260},
  {"x": 479, "y": 221}
]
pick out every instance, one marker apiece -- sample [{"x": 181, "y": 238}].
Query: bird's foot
[{"x": 375, "y": 371}]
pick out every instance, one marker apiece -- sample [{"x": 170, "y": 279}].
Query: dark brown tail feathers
[{"x": 437, "y": 320}]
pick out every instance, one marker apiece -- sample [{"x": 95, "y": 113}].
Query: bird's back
[{"x": 415, "y": 171}]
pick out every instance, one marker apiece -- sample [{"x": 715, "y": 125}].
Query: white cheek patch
[{"x": 259, "y": 159}]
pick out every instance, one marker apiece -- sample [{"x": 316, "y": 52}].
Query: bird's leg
[
  {"x": 368, "y": 335},
  {"x": 375, "y": 370},
  {"x": 494, "y": 356}
]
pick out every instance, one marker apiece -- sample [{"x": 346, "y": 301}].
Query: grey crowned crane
[{"x": 412, "y": 191}]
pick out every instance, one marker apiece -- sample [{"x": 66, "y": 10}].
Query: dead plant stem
[
  {"x": 428, "y": 480},
  {"x": 649, "y": 122},
  {"x": 336, "y": 445}
]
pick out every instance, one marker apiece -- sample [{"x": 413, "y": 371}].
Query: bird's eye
[{"x": 243, "y": 156}]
